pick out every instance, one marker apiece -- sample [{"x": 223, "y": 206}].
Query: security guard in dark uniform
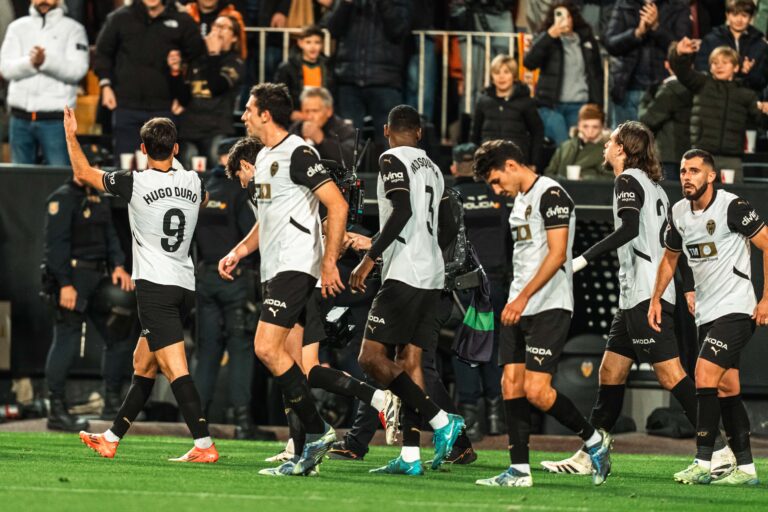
[
  {"x": 485, "y": 219},
  {"x": 81, "y": 246},
  {"x": 223, "y": 316}
]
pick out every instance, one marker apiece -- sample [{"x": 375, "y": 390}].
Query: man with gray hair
[{"x": 332, "y": 136}]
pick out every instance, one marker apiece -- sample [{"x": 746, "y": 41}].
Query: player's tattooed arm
[{"x": 81, "y": 168}]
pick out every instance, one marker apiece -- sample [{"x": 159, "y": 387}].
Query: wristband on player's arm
[{"x": 401, "y": 212}]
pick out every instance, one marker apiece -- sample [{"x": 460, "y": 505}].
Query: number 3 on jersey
[
  {"x": 430, "y": 209},
  {"x": 173, "y": 216}
]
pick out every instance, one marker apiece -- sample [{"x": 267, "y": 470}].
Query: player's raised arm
[{"x": 81, "y": 168}]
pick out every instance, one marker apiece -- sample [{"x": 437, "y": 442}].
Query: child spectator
[
  {"x": 667, "y": 112},
  {"x": 505, "y": 110},
  {"x": 305, "y": 69},
  {"x": 742, "y": 37},
  {"x": 568, "y": 56},
  {"x": 584, "y": 149},
  {"x": 721, "y": 105}
]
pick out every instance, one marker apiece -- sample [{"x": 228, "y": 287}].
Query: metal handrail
[{"x": 263, "y": 31}]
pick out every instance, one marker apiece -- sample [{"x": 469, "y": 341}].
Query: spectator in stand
[
  {"x": 721, "y": 105},
  {"x": 206, "y": 12},
  {"x": 44, "y": 55},
  {"x": 205, "y": 98},
  {"x": 370, "y": 58},
  {"x": 638, "y": 38},
  {"x": 132, "y": 65},
  {"x": 748, "y": 41},
  {"x": 584, "y": 149},
  {"x": 332, "y": 136},
  {"x": 306, "y": 68},
  {"x": 667, "y": 112},
  {"x": 506, "y": 110},
  {"x": 571, "y": 73}
]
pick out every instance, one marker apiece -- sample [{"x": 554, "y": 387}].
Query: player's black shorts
[
  {"x": 284, "y": 298},
  {"x": 723, "y": 340},
  {"x": 314, "y": 324},
  {"x": 162, "y": 311},
  {"x": 537, "y": 340},
  {"x": 402, "y": 314},
  {"x": 631, "y": 336}
]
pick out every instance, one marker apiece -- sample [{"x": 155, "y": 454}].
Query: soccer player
[
  {"x": 303, "y": 342},
  {"x": 289, "y": 184},
  {"x": 163, "y": 206},
  {"x": 640, "y": 209},
  {"x": 537, "y": 316},
  {"x": 411, "y": 211},
  {"x": 714, "y": 228}
]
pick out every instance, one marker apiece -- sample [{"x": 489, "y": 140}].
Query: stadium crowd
[{"x": 695, "y": 72}]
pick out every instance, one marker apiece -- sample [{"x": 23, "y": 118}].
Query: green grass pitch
[{"x": 55, "y": 472}]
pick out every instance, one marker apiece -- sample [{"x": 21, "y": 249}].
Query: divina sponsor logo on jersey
[
  {"x": 625, "y": 196},
  {"x": 560, "y": 211},
  {"x": 749, "y": 218},
  {"x": 315, "y": 169},
  {"x": 162, "y": 193},
  {"x": 393, "y": 177}
]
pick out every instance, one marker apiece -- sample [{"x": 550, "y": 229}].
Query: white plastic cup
[
  {"x": 573, "y": 172},
  {"x": 198, "y": 163},
  {"x": 727, "y": 175},
  {"x": 751, "y": 139},
  {"x": 126, "y": 161},
  {"x": 141, "y": 160}
]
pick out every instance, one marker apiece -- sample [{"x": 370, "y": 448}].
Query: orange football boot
[
  {"x": 99, "y": 444},
  {"x": 196, "y": 454}
]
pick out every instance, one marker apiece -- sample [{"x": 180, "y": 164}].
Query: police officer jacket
[
  {"x": 79, "y": 227},
  {"x": 226, "y": 218}
]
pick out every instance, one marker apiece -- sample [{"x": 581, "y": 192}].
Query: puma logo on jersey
[
  {"x": 539, "y": 360},
  {"x": 643, "y": 341},
  {"x": 538, "y": 351},
  {"x": 749, "y": 218},
  {"x": 315, "y": 169},
  {"x": 376, "y": 320},
  {"x": 145, "y": 332},
  {"x": 626, "y": 196},
  {"x": 555, "y": 192},
  {"x": 273, "y": 311},
  {"x": 393, "y": 177},
  {"x": 372, "y": 327},
  {"x": 559, "y": 211}
]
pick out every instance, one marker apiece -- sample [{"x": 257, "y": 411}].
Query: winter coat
[
  {"x": 589, "y": 155},
  {"x": 751, "y": 45},
  {"x": 291, "y": 73},
  {"x": 667, "y": 112}
]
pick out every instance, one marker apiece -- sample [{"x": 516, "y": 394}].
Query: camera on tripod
[{"x": 351, "y": 187}]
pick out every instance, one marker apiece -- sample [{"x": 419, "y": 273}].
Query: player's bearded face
[
  {"x": 694, "y": 184},
  {"x": 43, "y": 6}
]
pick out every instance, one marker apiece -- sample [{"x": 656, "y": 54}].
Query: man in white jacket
[{"x": 43, "y": 56}]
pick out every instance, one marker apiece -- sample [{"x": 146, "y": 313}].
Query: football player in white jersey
[
  {"x": 537, "y": 316},
  {"x": 303, "y": 342},
  {"x": 714, "y": 227},
  {"x": 640, "y": 209},
  {"x": 290, "y": 182},
  {"x": 163, "y": 205},
  {"x": 411, "y": 214}
]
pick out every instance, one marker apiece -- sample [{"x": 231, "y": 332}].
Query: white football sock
[
  {"x": 594, "y": 439},
  {"x": 440, "y": 420},
  {"x": 522, "y": 468},
  {"x": 410, "y": 453},
  {"x": 378, "y": 400},
  {"x": 748, "y": 468},
  {"x": 204, "y": 442},
  {"x": 111, "y": 436},
  {"x": 706, "y": 464}
]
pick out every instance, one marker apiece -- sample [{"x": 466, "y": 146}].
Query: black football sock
[
  {"x": 707, "y": 420},
  {"x": 412, "y": 395},
  {"x": 569, "y": 416},
  {"x": 191, "y": 408},
  {"x": 410, "y": 426},
  {"x": 295, "y": 428},
  {"x": 340, "y": 383},
  {"x": 610, "y": 399},
  {"x": 137, "y": 396},
  {"x": 685, "y": 393},
  {"x": 518, "y": 416},
  {"x": 295, "y": 389},
  {"x": 736, "y": 423}
]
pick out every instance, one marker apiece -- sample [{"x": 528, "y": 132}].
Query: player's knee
[
  {"x": 728, "y": 387},
  {"x": 143, "y": 365},
  {"x": 610, "y": 375},
  {"x": 264, "y": 352},
  {"x": 536, "y": 393}
]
